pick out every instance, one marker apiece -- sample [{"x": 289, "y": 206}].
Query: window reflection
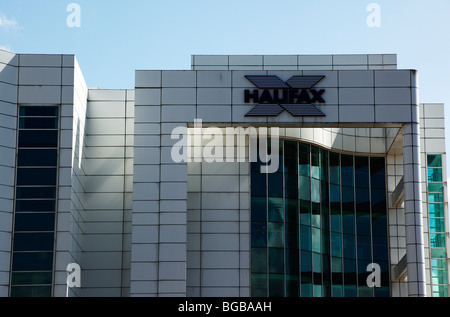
[{"x": 326, "y": 221}]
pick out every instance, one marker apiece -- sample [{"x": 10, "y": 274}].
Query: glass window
[
  {"x": 32, "y": 261},
  {"x": 33, "y": 241},
  {"x": 335, "y": 229},
  {"x": 31, "y": 291},
  {"x": 275, "y": 209},
  {"x": 38, "y": 111},
  {"x": 276, "y": 234},
  {"x": 259, "y": 208},
  {"x": 30, "y": 278},
  {"x": 436, "y": 187},
  {"x": 349, "y": 246},
  {"x": 276, "y": 285},
  {"x": 305, "y": 188},
  {"x": 305, "y": 238},
  {"x": 275, "y": 185},
  {"x": 35, "y": 192},
  {"x": 435, "y": 175},
  {"x": 28, "y": 157},
  {"x": 438, "y": 253},
  {"x": 258, "y": 187},
  {"x": 304, "y": 160},
  {"x": 259, "y": 260},
  {"x": 440, "y": 290},
  {"x": 276, "y": 260},
  {"x": 436, "y": 210},
  {"x": 439, "y": 263},
  {"x": 434, "y": 160},
  {"x": 316, "y": 243},
  {"x": 336, "y": 245},
  {"x": 259, "y": 234},
  {"x": 377, "y": 173},
  {"x": 436, "y": 198},
  {"x": 347, "y": 170},
  {"x": 259, "y": 285},
  {"x": 437, "y": 240},
  {"x": 36, "y": 176},
  {"x": 364, "y": 248},
  {"x": 439, "y": 277},
  {"x": 38, "y": 138},
  {"x": 38, "y": 123},
  {"x": 361, "y": 172},
  {"x": 35, "y": 205},
  {"x": 437, "y": 224},
  {"x": 34, "y": 222},
  {"x": 335, "y": 171},
  {"x": 315, "y": 171}
]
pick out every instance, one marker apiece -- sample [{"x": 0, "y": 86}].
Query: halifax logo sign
[{"x": 274, "y": 96}]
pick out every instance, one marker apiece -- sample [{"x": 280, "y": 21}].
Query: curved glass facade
[{"x": 317, "y": 223}]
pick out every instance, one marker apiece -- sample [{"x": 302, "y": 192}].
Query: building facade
[{"x": 293, "y": 175}]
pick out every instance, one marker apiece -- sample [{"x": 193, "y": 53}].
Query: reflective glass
[
  {"x": 347, "y": 170},
  {"x": 440, "y": 290},
  {"x": 34, "y": 222},
  {"x": 259, "y": 208},
  {"x": 437, "y": 240},
  {"x": 304, "y": 160},
  {"x": 259, "y": 285},
  {"x": 439, "y": 277},
  {"x": 32, "y": 261},
  {"x": 276, "y": 260},
  {"x": 30, "y": 278},
  {"x": 31, "y": 291},
  {"x": 335, "y": 170},
  {"x": 33, "y": 241},
  {"x": 439, "y": 263},
  {"x": 275, "y": 185},
  {"x": 35, "y": 192},
  {"x": 435, "y": 175},
  {"x": 36, "y": 176},
  {"x": 275, "y": 209},
  {"x": 315, "y": 172},
  {"x": 38, "y": 138},
  {"x": 38, "y": 123},
  {"x": 436, "y": 210},
  {"x": 259, "y": 234},
  {"x": 258, "y": 188},
  {"x": 435, "y": 187},
  {"x": 437, "y": 224},
  {"x": 434, "y": 160},
  {"x": 28, "y": 157},
  {"x": 329, "y": 210},
  {"x": 336, "y": 244},
  {"x": 276, "y": 234},
  {"x": 35, "y": 205},
  {"x": 436, "y": 198},
  {"x": 38, "y": 111},
  {"x": 305, "y": 238},
  {"x": 276, "y": 285},
  {"x": 316, "y": 244},
  {"x": 438, "y": 253}
]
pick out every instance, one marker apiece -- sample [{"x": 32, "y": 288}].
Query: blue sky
[{"x": 117, "y": 37}]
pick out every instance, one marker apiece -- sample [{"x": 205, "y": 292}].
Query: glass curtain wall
[
  {"x": 439, "y": 278},
  {"x": 317, "y": 223},
  {"x": 35, "y": 203}
]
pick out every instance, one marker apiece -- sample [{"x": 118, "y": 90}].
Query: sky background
[{"x": 117, "y": 37}]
